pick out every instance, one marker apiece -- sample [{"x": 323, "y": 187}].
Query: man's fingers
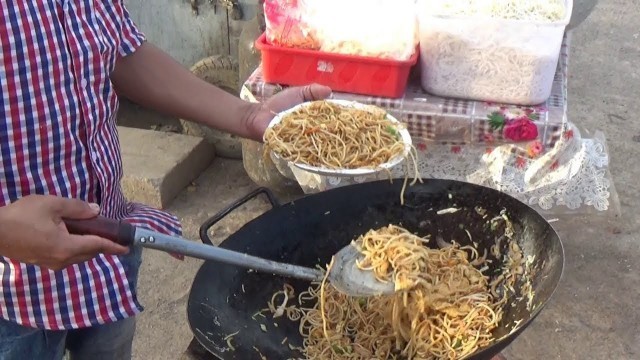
[
  {"x": 74, "y": 209},
  {"x": 77, "y": 249},
  {"x": 94, "y": 245},
  {"x": 177, "y": 256},
  {"x": 293, "y": 96},
  {"x": 315, "y": 92}
]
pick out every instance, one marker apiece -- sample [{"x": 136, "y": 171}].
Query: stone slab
[{"x": 158, "y": 165}]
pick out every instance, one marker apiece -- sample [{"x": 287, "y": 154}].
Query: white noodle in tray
[{"x": 503, "y": 51}]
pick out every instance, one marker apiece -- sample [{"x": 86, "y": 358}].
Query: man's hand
[
  {"x": 151, "y": 78},
  {"x": 259, "y": 119},
  {"x": 32, "y": 231}
]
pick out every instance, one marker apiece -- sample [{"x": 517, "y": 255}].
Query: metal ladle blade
[{"x": 347, "y": 278}]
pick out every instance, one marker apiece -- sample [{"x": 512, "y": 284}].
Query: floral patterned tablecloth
[{"x": 531, "y": 152}]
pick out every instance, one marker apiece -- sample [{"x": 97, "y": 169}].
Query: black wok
[{"x": 310, "y": 230}]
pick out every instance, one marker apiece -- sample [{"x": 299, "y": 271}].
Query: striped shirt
[{"x": 58, "y": 136}]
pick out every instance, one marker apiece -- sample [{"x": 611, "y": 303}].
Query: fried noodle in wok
[{"x": 445, "y": 306}]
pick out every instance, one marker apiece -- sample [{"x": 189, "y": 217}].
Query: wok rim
[{"x": 506, "y": 340}]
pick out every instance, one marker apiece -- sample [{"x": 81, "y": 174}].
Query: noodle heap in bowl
[
  {"x": 445, "y": 307},
  {"x": 332, "y": 135},
  {"x": 341, "y": 138}
]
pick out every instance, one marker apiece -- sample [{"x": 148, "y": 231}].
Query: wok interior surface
[{"x": 224, "y": 299}]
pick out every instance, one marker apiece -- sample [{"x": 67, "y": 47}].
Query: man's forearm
[{"x": 151, "y": 78}]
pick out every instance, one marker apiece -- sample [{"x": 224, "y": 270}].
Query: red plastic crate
[{"x": 343, "y": 73}]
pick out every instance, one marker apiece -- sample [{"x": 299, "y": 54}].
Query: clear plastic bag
[
  {"x": 386, "y": 29},
  {"x": 287, "y": 24}
]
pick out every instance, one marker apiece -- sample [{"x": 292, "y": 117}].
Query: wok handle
[
  {"x": 117, "y": 231},
  {"x": 204, "y": 229}
]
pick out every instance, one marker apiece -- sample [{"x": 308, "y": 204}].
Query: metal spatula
[{"x": 344, "y": 274}]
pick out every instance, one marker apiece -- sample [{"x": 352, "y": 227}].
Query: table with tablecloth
[{"x": 533, "y": 153}]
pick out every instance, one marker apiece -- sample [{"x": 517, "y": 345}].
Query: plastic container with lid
[{"x": 485, "y": 59}]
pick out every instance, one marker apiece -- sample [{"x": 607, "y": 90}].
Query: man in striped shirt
[{"x": 61, "y": 64}]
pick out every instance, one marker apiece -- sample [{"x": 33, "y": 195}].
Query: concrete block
[{"x": 158, "y": 165}]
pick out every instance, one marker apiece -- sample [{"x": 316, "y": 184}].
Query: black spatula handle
[{"x": 117, "y": 231}]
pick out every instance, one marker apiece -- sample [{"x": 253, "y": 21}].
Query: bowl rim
[{"x": 393, "y": 162}]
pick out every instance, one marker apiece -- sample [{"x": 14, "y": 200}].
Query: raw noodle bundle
[
  {"x": 528, "y": 10},
  {"x": 385, "y": 29}
]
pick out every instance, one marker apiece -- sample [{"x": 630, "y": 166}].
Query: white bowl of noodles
[{"x": 361, "y": 140}]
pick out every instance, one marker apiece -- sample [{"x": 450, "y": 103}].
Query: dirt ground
[
  {"x": 163, "y": 332},
  {"x": 593, "y": 315}
]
